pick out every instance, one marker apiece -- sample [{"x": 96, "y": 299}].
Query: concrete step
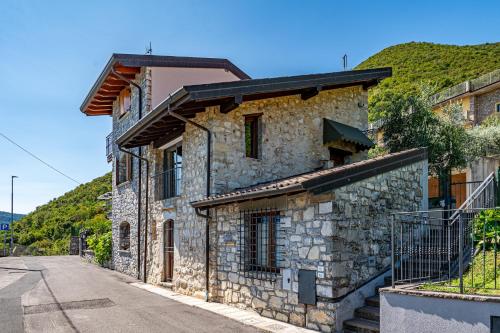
[
  {"x": 361, "y": 326},
  {"x": 368, "y": 312},
  {"x": 373, "y": 301}
]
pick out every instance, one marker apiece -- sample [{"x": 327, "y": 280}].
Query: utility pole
[{"x": 11, "y": 213}]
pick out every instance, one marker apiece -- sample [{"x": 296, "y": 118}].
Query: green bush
[
  {"x": 487, "y": 228},
  {"x": 101, "y": 245}
]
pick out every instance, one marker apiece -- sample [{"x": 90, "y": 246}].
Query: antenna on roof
[
  {"x": 149, "y": 50},
  {"x": 344, "y": 61}
]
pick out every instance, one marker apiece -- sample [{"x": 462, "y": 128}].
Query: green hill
[
  {"x": 439, "y": 65},
  {"x": 47, "y": 230}
]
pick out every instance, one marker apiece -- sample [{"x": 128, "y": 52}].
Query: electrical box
[
  {"x": 287, "y": 279},
  {"x": 307, "y": 286}
]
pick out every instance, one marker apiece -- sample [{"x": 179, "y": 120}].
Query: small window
[
  {"x": 125, "y": 101},
  {"x": 123, "y": 168},
  {"x": 259, "y": 241},
  {"x": 124, "y": 236},
  {"x": 252, "y": 134},
  {"x": 339, "y": 156},
  {"x": 497, "y": 107}
]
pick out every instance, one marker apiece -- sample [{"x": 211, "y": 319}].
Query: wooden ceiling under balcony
[{"x": 102, "y": 101}]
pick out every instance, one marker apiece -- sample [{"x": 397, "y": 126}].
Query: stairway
[{"x": 367, "y": 318}]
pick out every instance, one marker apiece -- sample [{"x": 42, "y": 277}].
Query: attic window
[
  {"x": 125, "y": 101},
  {"x": 338, "y": 156},
  {"x": 252, "y": 135}
]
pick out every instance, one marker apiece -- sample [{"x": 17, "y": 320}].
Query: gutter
[
  {"x": 139, "y": 184},
  {"x": 206, "y": 215}
]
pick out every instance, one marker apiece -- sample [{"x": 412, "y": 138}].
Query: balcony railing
[
  {"x": 167, "y": 184},
  {"x": 109, "y": 147}
]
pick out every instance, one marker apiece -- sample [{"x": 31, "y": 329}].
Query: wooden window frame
[
  {"x": 128, "y": 168},
  {"x": 254, "y": 121},
  {"x": 125, "y": 93}
]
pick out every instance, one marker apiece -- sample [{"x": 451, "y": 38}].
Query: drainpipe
[
  {"x": 206, "y": 216},
  {"x": 139, "y": 184}
]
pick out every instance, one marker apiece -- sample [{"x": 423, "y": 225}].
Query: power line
[{"x": 38, "y": 158}]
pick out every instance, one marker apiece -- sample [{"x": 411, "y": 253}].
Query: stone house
[
  {"x": 252, "y": 192},
  {"x": 479, "y": 99}
]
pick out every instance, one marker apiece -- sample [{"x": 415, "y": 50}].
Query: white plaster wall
[{"x": 423, "y": 314}]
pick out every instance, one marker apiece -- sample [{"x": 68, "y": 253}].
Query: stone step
[
  {"x": 368, "y": 312},
  {"x": 361, "y": 326},
  {"x": 373, "y": 301},
  {"x": 166, "y": 285}
]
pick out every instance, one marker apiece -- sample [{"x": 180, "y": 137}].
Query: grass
[{"x": 473, "y": 283}]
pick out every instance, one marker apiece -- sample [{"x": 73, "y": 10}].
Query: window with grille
[
  {"x": 260, "y": 244},
  {"x": 124, "y": 236}
]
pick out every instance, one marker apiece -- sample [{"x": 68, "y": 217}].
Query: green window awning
[{"x": 334, "y": 131}]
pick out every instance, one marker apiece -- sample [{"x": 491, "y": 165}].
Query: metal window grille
[
  {"x": 168, "y": 183},
  {"x": 261, "y": 244}
]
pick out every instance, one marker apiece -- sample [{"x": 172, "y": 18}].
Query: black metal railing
[
  {"x": 444, "y": 246},
  {"x": 109, "y": 147},
  {"x": 168, "y": 184}
]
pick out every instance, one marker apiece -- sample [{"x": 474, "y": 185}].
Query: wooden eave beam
[
  {"x": 231, "y": 104},
  {"x": 168, "y": 137},
  {"x": 310, "y": 93},
  {"x": 127, "y": 70}
]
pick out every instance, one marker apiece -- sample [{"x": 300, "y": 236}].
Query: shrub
[
  {"x": 487, "y": 228},
  {"x": 101, "y": 245}
]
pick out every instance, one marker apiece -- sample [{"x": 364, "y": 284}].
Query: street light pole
[{"x": 11, "y": 213}]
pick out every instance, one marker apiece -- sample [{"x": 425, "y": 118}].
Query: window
[
  {"x": 252, "y": 135},
  {"x": 260, "y": 244},
  {"x": 124, "y": 236},
  {"x": 123, "y": 168},
  {"x": 497, "y": 107},
  {"x": 125, "y": 101},
  {"x": 172, "y": 172},
  {"x": 338, "y": 156}
]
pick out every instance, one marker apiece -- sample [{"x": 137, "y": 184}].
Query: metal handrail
[{"x": 472, "y": 197}]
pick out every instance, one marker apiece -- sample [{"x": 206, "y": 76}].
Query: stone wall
[
  {"x": 346, "y": 231},
  {"x": 291, "y": 144},
  {"x": 124, "y": 203},
  {"x": 485, "y": 104}
]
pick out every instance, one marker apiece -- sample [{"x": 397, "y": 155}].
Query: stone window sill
[
  {"x": 123, "y": 185},
  {"x": 125, "y": 253}
]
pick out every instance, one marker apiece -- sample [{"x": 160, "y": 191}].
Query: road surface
[{"x": 64, "y": 294}]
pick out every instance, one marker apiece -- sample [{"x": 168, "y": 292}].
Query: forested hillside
[
  {"x": 47, "y": 230},
  {"x": 438, "y": 65}
]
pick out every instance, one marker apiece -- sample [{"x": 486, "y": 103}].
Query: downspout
[
  {"x": 206, "y": 216},
  {"x": 139, "y": 184}
]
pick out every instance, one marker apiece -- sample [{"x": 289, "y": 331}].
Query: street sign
[{"x": 4, "y": 226}]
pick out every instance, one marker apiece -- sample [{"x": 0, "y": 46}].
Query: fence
[{"x": 445, "y": 245}]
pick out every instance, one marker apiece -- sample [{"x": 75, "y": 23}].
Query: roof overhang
[
  {"x": 99, "y": 101},
  {"x": 318, "y": 181},
  {"x": 159, "y": 127}
]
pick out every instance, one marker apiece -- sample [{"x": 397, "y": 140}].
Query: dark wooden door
[{"x": 168, "y": 250}]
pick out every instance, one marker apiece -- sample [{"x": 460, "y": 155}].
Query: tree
[{"x": 411, "y": 123}]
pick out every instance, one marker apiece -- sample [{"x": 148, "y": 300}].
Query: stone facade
[
  {"x": 485, "y": 104},
  {"x": 344, "y": 232}
]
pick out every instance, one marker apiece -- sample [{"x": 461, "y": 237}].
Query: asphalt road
[{"x": 63, "y": 294}]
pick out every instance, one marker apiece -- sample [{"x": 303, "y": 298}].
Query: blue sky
[{"x": 51, "y": 52}]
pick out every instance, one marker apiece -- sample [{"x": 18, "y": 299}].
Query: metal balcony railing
[
  {"x": 109, "y": 147},
  {"x": 167, "y": 184}
]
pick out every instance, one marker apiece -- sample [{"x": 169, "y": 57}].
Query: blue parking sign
[{"x": 4, "y": 226}]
